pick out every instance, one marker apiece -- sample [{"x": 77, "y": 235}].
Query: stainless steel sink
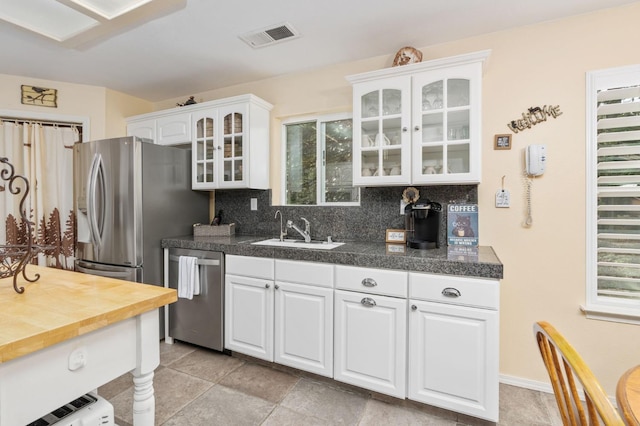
[{"x": 319, "y": 245}]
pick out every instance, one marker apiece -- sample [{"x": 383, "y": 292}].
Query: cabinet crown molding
[
  {"x": 451, "y": 61},
  {"x": 204, "y": 105}
]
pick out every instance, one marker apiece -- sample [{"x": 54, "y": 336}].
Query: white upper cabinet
[
  {"x": 229, "y": 139},
  {"x": 142, "y": 128},
  {"x": 382, "y": 141},
  {"x": 419, "y": 123},
  {"x": 173, "y": 129}
]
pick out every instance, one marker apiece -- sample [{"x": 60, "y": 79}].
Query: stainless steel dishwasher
[{"x": 201, "y": 320}]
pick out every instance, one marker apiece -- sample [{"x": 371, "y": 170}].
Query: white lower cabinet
[
  {"x": 286, "y": 316},
  {"x": 304, "y": 327},
  {"x": 371, "y": 329},
  {"x": 429, "y": 338},
  {"x": 249, "y": 314},
  {"x": 454, "y": 344}
]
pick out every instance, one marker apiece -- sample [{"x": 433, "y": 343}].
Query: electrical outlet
[
  {"x": 503, "y": 198},
  {"x": 254, "y": 204},
  {"x": 402, "y": 206}
]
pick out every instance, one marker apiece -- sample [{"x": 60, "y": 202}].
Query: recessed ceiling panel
[
  {"x": 48, "y": 18},
  {"x": 110, "y": 9}
]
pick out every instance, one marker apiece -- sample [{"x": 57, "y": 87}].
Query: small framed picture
[
  {"x": 502, "y": 142},
  {"x": 396, "y": 236},
  {"x": 39, "y": 96},
  {"x": 396, "y": 248}
]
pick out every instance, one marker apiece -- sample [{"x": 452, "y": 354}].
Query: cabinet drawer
[
  {"x": 483, "y": 293},
  {"x": 248, "y": 266},
  {"x": 375, "y": 281},
  {"x": 318, "y": 274}
]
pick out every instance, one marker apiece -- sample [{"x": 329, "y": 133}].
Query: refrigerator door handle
[
  {"x": 96, "y": 172},
  {"x": 103, "y": 273}
]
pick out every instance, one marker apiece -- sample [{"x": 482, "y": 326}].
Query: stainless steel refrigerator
[{"x": 129, "y": 194}]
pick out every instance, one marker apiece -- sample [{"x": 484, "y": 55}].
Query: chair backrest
[{"x": 564, "y": 366}]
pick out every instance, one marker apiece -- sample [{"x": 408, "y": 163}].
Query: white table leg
[
  {"x": 144, "y": 402},
  {"x": 148, "y": 347}
]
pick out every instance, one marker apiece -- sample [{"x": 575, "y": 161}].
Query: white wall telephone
[
  {"x": 535, "y": 159},
  {"x": 535, "y": 163}
]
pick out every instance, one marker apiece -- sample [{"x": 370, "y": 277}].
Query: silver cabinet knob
[
  {"x": 451, "y": 292},
  {"x": 416, "y": 128},
  {"x": 404, "y": 129},
  {"x": 267, "y": 286},
  {"x": 369, "y": 282},
  {"x": 414, "y": 308},
  {"x": 367, "y": 301},
  {"x": 277, "y": 286}
]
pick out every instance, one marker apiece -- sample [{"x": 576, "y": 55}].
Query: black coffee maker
[{"x": 422, "y": 223}]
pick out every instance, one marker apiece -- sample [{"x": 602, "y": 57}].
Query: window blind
[{"x": 618, "y": 192}]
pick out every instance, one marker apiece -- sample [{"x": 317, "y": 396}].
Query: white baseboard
[
  {"x": 526, "y": 383},
  {"x": 538, "y": 386}
]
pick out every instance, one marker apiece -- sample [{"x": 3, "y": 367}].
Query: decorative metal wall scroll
[
  {"x": 15, "y": 257},
  {"x": 533, "y": 116}
]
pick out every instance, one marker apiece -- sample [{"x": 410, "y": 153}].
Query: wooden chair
[{"x": 564, "y": 366}]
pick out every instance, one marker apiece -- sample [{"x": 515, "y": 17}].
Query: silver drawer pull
[
  {"x": 369, "y": 282},
  {"x": 451, "y": 292},
  {"x": 367, "y": 301}
]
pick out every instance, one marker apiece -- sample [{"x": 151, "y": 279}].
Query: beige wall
[
  {"x": 544, "y": 265},
  {"x": 106, "y": 109}
]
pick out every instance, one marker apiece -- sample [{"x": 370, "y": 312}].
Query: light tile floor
[{"x": 199, "y": 387}]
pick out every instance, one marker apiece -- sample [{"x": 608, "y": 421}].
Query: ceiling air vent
[{"x": 270, "y": 35}]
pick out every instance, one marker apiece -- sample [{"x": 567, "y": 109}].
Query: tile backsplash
[{"x": 379, "y": 210}]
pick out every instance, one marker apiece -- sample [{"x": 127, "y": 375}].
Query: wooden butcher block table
[{"x": 70, "y": 333}]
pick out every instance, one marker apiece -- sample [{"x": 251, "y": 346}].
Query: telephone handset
[
  {"x": 535, "y": 163},
  {"x": 535, "y": 159}
]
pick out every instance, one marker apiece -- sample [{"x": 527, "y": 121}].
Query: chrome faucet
[
  {"x": 307, "y": 229},
  {"x": 283, "y": 232}
]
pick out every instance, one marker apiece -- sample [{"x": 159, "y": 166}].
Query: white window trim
[
  {"x": 601, "y": 307},
  {"x": 319, "y": 118}
]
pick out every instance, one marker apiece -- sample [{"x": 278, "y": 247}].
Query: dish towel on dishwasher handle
[{"x": 188, "y": 277}]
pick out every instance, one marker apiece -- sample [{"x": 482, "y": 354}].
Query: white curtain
[{"x": 44, "y": 155}]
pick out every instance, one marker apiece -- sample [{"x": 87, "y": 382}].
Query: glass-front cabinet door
[
  {"x": 233, "y": 143},
  {"x": 446, "y": 132},
  {"x": 381, "y": 132},
  {"x": 419, "y": 123},
  {"x": 205, "y": 149}
]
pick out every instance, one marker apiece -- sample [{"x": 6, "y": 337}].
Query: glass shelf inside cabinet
[
  {"x": 432, "y": 127},
  {"x": 204, "y": 128},
  {"x": 432, "y": 159},
  {"x": 391, "y": 162},
  {"x": 390, "y": 134},
  {"x": 232, "y": 123},
  {"x": 232, "y": 170},
  {"x": 391, "y": 101},
  {"x": 200, "y": 150},
  {"x": 209, "y": 150},
  {"x": 457, "y": 92},
  {"x": 432, "y": 96},
  {"x": 370, "y": 163},
  {"x": 458, "y": 125},
  {"x": 370, "y": 104},
  {"x": 458, "y": 158},
  {"x": 369, "y": 132}
]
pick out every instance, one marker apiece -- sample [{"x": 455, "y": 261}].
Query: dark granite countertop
[{"x": 371, "y": 255}]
